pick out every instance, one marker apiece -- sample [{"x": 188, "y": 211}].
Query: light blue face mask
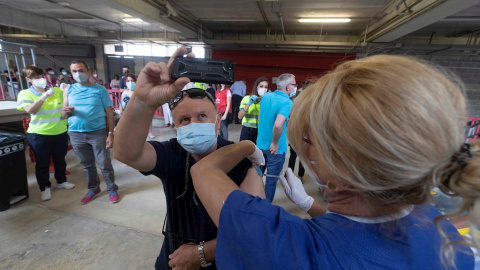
[
  {"x": 131, "y": 85},
  {"x": 197, "y": 138},
  {"x": 64, "y": 73},
  {"x": 294, "y": 92}
]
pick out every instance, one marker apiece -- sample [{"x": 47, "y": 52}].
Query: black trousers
[
  {"x": 236, "y": 100},
  {"x": 249, "y": 133},
  {"x": 291, "y": 163},
  {"x": 44, "y": 147}
]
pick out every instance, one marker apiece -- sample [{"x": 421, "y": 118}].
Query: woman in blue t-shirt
[{"x": 376, "y": 135}]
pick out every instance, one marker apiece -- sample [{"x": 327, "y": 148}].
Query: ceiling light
[
  {"x": 63, "y": 4},
  {"x": 76, "y": 19},
  {"x": 234, "y": 20},
  {"x": 325, "y": 20},
  {"x": 129, "y": 19}
]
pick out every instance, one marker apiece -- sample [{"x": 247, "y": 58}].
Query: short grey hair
[{"x": 283, "y": 80}]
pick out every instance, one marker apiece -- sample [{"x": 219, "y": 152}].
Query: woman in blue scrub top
[{"x": 376, "y": 135}]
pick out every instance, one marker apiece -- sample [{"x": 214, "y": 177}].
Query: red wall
[{"x": 253, "y": 64}]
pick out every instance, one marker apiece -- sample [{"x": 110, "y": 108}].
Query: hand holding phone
[
  {"x": 154, "y": 85},
  {"x": 204, "y": 70}
]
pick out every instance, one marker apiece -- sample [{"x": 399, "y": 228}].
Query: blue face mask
[
  {"x": 294, "y": 92},
  {"x": 131, "y": 85},
  {"x": 197, "y": 138},
  {"x": 64, "y": 73}
]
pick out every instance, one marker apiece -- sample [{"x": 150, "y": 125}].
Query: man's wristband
[
  {"x": 201, "y": 255},
  {"x": 110, "y": 132}
]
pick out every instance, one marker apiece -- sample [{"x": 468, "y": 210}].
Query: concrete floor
[{"x": 63, "y": 234}]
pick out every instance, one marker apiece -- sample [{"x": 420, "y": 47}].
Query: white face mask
[
  {"x": 80, "y": 77},
  {"x": 40, "y": 83},
  {"x": 314, "y": 177},
  {"x": 95, "y": 75},
  {"x": 262, "y": 91}
]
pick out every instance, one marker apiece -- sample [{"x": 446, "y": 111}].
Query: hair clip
[
  {"x": 461, "y": 158},
  {"x": 466, "y": 149}
]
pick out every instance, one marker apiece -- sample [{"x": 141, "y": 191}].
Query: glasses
[
  {"x": 191, "y": 93},
  {"x": 294, "y": 84}
]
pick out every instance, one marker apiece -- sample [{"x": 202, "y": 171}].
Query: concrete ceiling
[{"x": 450, "y": 26}]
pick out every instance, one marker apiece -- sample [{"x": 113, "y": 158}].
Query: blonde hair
[{"x": 388, "y": 126}]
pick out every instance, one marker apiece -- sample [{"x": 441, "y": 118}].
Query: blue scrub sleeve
[{"x": 254, "y": 234}]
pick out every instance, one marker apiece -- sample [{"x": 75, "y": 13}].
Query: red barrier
[
  {"x": 2, "y": 97},
  {"x": 474, "y": 128},
  {"x": 115, "y": 96}
]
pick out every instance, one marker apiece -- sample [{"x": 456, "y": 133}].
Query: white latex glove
[
  {"x": 64, "y": 86},
  {"x": 257, "y": 158},
  {"x": 47, "y": 94},
  {"x": 294, "y": 190}
]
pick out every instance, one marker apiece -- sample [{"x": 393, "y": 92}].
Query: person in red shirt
[{"x": 223, "y": 99}]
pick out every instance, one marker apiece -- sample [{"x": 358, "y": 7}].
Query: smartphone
[{"x": 204, "y": 70}]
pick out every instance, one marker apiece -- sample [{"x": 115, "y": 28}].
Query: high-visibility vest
[
  {"x": 48, "y": 119},
  {"x": 200, "y": 85},
  {"x": 251, "y": 116}
]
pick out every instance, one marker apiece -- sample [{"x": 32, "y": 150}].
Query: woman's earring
[{"x": 331, "y": 185}]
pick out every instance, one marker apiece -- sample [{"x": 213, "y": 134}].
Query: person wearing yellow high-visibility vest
[
  {"x": 250, "y": 110},
  {"x": 200, "y": 85},
  {"x": 47, "y": 131}
]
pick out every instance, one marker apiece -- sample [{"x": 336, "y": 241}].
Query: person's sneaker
[
  {"x": 46, "y": 194},
  {"x": 66, "y": 185},
  {"x": 90, "y": 196},
  {"x": 151, "y": 136},
  {"x": 114, "y": 198}
]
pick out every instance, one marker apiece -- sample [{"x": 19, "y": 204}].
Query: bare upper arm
[
  {"x": 253, "y": 183},
  {"x": 147, "y": 159},
  {"x": 279, "y": 121},
  {"x": 65, "y": 97}
]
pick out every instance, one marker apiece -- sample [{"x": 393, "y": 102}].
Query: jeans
[
  {"x": 224, "y": 126},
  {"x": 89, "y": 146},
  {"x": 274, "y": 165},
  {"x": 44, "y": 147}
]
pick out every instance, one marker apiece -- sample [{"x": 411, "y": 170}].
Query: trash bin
[{"x": 13, "y": 170}]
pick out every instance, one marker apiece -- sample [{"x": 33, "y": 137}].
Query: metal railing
[{"x": 20, "y": 51}]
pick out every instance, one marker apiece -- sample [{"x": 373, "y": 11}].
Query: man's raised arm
[{"x": 154, "y": 88}]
